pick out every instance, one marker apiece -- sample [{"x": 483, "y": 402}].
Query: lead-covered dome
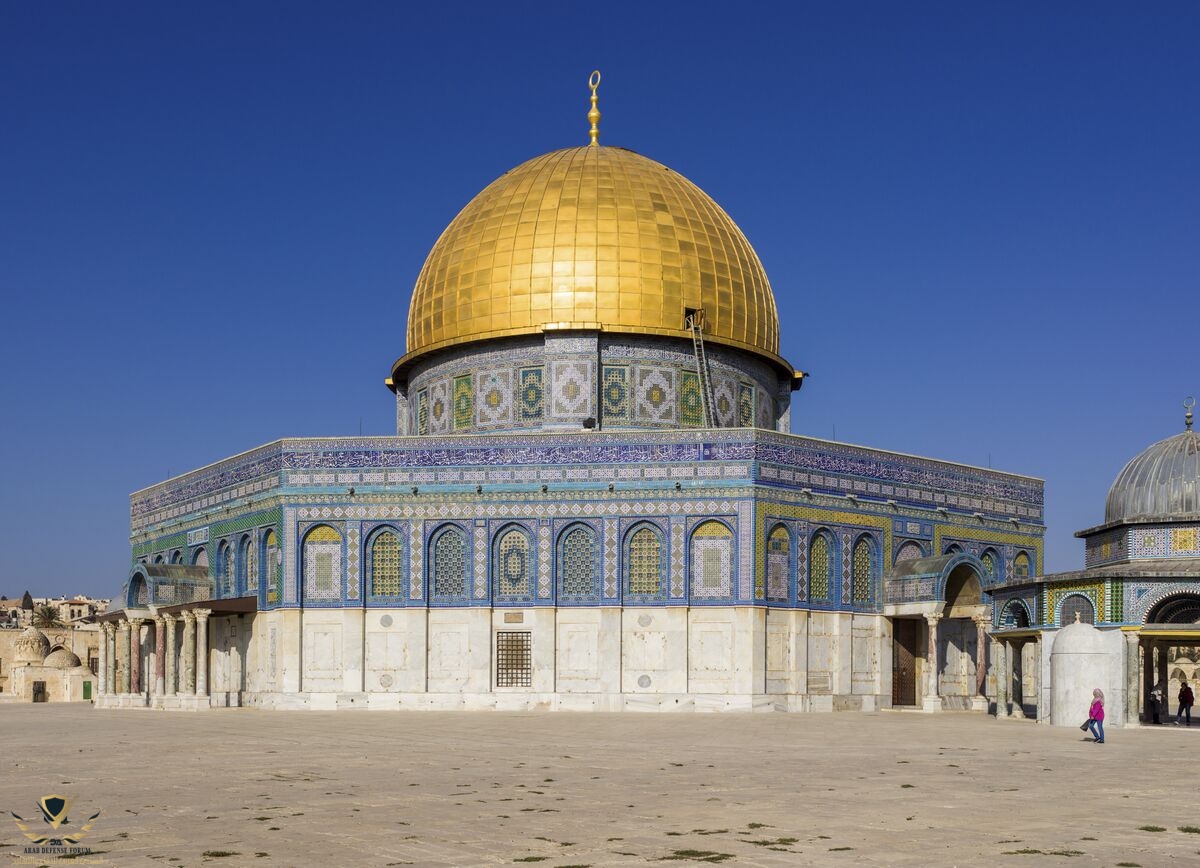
[
  {"x": 593, "y": 238},
  {"x": 1162, "y": 483}
]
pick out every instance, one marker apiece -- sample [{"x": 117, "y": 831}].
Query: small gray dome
[
  {"x": 1163, "y": 482},
  {"x": 61, "y": 658}
]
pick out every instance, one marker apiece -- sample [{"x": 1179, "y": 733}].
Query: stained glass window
[
  {"x": 819, "y": 563},
  {"x": 450, "y": 564},
  {"x": 322, "y": 563},
  {"x": 712, "y": 560},
  {"x": 989, "y": 564},
  {"x": 577, "y": 573},
  {"x": 385, "y": 565},
  {"x": 779, "y": 563},
  {"x": 512, "y": 564},
  {"x": 644, "y": 559},
  {"x": 861, "y": 571}
]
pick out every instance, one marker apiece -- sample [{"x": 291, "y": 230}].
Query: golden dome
[{"x": 591, "y": 238}]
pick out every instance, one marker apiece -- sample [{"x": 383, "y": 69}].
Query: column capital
[
  {"x": 202, "y": 614},
  {"x": 187, "y": 616},
  {"x": 932, "y": 619},
  {"x": 123, "y": 625},
  {"x": 107, "y": 628}
]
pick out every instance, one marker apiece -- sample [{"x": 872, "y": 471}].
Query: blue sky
[{"x": 980, "y": 222}]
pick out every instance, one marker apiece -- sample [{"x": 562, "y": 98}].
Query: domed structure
[
  {"x": 61, "y": 658},
  {"x": 1161, "y": 484},
  {"x": 594, "y": 238},
  {"x": 31, "y": 646}
]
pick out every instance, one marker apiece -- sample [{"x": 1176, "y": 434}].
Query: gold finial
[
  {"x": 1188, "y": 403},
  {"x": 594, "y": 114}
]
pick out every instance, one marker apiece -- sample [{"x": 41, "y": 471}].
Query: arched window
[
  {"x": 249, "y": 565},
  {"x": 177, "y": 557},
  {"x": 578, "y": 567},
  {"x": 1021, "y": 565},
  {"x": 273, "y": 569},
  {"x": 862, "y": 570},
  {"x": 159, "y": 559},
  {"x": 139, "y": 592},
  {"x": 644, "y": 563},
  {"x": 200, "y": 557},
  {"x": 989, "y": 561},
  {"x": 511, "y": 566},
  {"x": 910, "y": 551},
  {"x": 1076, "y": 604},
  {"x": 1014, "y": 616},
  {"x": 711, "y": 561},
  {"x": 953, "y": 549},
  {"x": 385, "y": 565},
  {"x": 449, "y": 565},
  {"x": 779, "y": 563},
  {"x": 322, "y": 563},
  {"x": 225, "y": 563},
  {"x": 820, "y": 568}
]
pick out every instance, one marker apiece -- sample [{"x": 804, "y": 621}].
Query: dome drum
[
  {"x": 576, "y": 381},
  {"x": 1162, "y": 483}
]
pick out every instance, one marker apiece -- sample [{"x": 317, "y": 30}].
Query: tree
[
  {"x": 47, "y": 616},
  {"x": 27, "y": 602}
]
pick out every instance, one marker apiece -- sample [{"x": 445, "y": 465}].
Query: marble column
[
  {"x": 1131, "y": 678},
  {"x": 1148, "y": 679},
  {"x": 1000, "y": 666},
  {"x": 188, "y": 684},
  {"x": 169, "y": 675},
  {"x": 160, "y": 654},
  {"x": 1162, "y": 681},
  {"x": 932, "y": 701},
  {"x": 1016, "y": 677},
  {"x": 110, "y": 641},
  {"x": 981, "y": 624},
  {"x": 102, "y": 675},
  {"x": 135, "y": 656},
  {"x": 123, "y": 645},
  {"x": 202, "y": 651}
]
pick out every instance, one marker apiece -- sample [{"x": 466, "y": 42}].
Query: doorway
[{"x": 904, "y": 661}]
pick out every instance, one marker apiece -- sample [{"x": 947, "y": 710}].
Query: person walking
[
  {"x": 1096, "y": 716},
  {"x": 1186, "y": 699}
]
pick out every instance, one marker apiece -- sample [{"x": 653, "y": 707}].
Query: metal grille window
[
  {"x": 712, "y": 560},
  {"x": 271, "y": 547},
  {"x": 862, "y": 570},
  {"x": 819, "y": 564},
  {"x": 512, "y": 566},
  {"x": 1077, "y": 604},
  {"x": 385, "y": 565},
  {"x": 322, "y": 563},
  {"x": 577, "y": 572},
  {"x": 450, "y": 564},
  {"x": 645, "y": 563},
  {"x": 989, "y": 565},
  {"x": 514, "y": 659}
]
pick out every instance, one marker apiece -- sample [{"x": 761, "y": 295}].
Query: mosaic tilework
[
  {"x": 577, "y": 573},
  {"x": 531, "y": 403},
  {"x": 290, "y": 585},
  {"x": 423, "y": 412},
  {"x": 616, "y": 393},
  {"x": 1014, "y": 615},
  {"x": 1055, "y": 595},
  {"x": 322, "y": 563},
  {"x": 846, "y": 567},
  {"x": 711, "y": 561},
  {"x": 512, "y": 564},
  {"x": 440, "y": 414},
  {"x": 909, "y": 551},
  {"x": 572, "y": 390},
  {"x": 386, "y": 570},
  {"x": 745, "y": 406},
  {"x": 1148, "y": 542},
  {"x": 610, "y": 558},
  {"x": 1021, "y": 565},
  {"x": 449, "y": 567},
  {"x": 802, "y": 567},
  {"x": 676, "y": 566},
  {"x": 766, "y": 412},
  {"x": 779, "y": 563},
  {"x": 1185, "y": 540},
  {"x": 654, "y": 395},
  {"x": 819, "y": 566},
  {"x": 250, "y": 563},
  {"x": 745, "y": 569},
  {"x": 862, "y": 569},
  {"x": 274, "y": 571},
  {"x": 1029, "y": 543},
  {"x": 691, "y": 405},
  {"x": 725, "y": 401},
  {"x": 228, "y": 570},
  {"x": 416, "y": 550},
  {"x": 481, "y": 556},
  {"x": 353, "y": 574},
  {"x": 644, "y": 563},
  {"x": 545, "y": 579},
  {"x": 464, "y": 403},
  {"x": 495, "y": 404}
]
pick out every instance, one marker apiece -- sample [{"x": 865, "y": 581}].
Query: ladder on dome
[{"x": 694, "y": 319}]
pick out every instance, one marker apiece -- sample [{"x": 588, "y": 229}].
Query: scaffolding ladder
[{"x": 695, "y": 322}]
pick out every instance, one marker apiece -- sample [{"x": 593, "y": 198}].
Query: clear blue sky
[{"x": 981, "y": 222}]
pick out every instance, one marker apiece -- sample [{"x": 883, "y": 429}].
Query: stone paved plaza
[{"x": 244, "y": 787}]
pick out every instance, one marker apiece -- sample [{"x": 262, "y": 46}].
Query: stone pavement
[{"x": 246, "y": 787}]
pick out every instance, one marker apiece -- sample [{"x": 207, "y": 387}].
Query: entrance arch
[
  {"x": 1182, "y": 608},
  {"x": 962, "y": 649}
]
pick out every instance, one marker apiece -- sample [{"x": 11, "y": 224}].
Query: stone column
[
  {"x": 188, "y": 684},
  {"x": 1016, "y": 677},
  {"x": 102, "y": 675},
  {"x": 1162, "y": 681},
  {"x": 160, "y": 656},
  {"x": 202, "y": 651},
  {"x": 1131, "y": 678},
  {"x": 1148, "y": 679},
  {"x": 1000, "y": 667},
  {"x": 169, "y": 652},
  {"x": 123, "y": 647},
  {"x": 110, "y": 639},
  {"x": 932, "y": 701},
  {"x": 979, "y": 700},
  {"x": 135, "y": 656}
]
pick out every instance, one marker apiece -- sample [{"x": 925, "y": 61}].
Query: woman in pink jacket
[{"x": 1096, "y": 715}]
